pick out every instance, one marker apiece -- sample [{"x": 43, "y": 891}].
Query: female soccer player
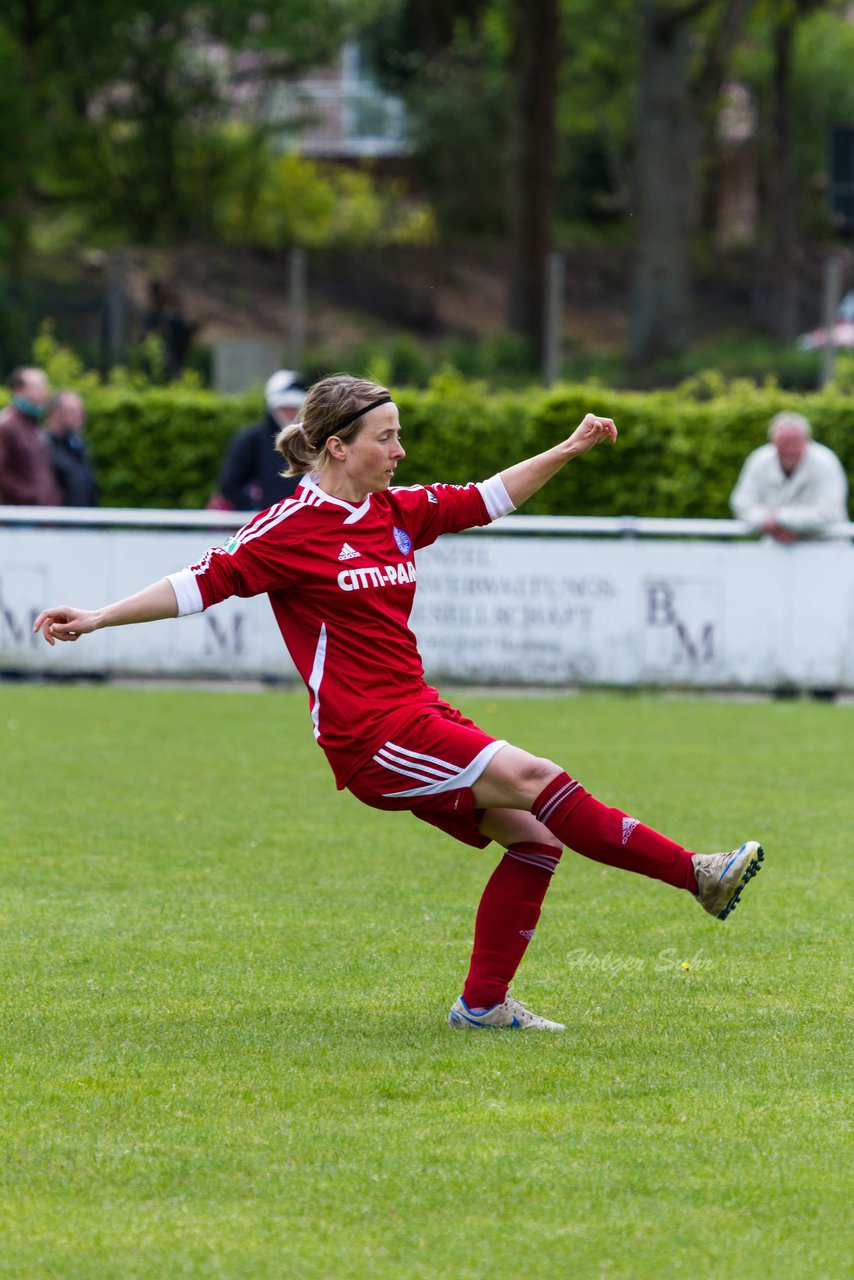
[{"x": 337, "y": 561}]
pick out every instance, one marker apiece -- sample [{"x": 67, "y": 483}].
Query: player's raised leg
[{"x": 582, "y": 823}]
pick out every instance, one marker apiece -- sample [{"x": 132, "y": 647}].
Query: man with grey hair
[{"x": 792, "y": 487}]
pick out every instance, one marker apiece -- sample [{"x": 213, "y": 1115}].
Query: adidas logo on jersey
[{"x": 347, "y": 552}]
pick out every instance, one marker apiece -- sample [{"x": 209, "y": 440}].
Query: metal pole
[
  {"x": 116, "y": 309},
  {"x": 553, "y": 327},
  {"x": 829, "y": 307},
  {"x": 296, "y": 306}
]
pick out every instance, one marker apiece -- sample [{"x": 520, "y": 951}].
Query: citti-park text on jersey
[{"x": 392, "y": 575}]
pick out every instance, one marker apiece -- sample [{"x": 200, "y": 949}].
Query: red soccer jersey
[{"x": 341, "y": 580}]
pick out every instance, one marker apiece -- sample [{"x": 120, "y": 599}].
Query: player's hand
[
  {"x": 64, "y": 623},
  {"x": 592, "y": 430}
]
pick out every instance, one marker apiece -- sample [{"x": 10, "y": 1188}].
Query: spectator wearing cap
[{"x": 250, "y": 479}]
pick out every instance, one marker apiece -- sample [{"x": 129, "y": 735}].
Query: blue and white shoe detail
[
  {"x": 511, "y": 1013},
  {"x": 722, "y": 877}
]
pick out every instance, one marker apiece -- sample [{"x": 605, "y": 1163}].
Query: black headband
[{"x": 352, "y": 417}]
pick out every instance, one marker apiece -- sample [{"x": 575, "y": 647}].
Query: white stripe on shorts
[
  {"x": 392, "y": 756},
  {"x": 465, "y": 777},
  {"x": 408, "y": 772},
  {"x": 419, "y": 756}
]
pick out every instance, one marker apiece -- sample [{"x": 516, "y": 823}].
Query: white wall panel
[{"x": 498, "y": 607}]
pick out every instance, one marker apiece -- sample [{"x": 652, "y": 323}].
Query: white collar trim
[{"x": 356, "y": 512}]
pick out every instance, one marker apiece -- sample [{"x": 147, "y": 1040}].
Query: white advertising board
[
  {"x": 502, "y": 608},
  {"x": 627, "y": 611},
  {"x": 88, "y": 567}
]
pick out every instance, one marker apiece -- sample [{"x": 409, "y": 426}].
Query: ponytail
[
  {"x": 330, "y": 402},
  {"x": 298, "y": 454}
]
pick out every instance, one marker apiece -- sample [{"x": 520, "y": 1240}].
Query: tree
[
  {"x": 683, "y": 67},
  {"x": 482, "y": 89},
  {"x": 596, "y": 109},
  {"x": 121, "y": 112},
  {"x": 125, "y": 99},
  {"x": 450, "y": 66},
  {"x": 781, "y": 187},
  {"x": 458, "y": 119},
  {"x": 533, "y": 139}
]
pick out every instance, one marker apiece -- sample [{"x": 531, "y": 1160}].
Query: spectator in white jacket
[{"x": 792, "y": 487}]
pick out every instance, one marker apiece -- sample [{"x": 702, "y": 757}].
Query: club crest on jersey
[{"x": 403, "y": 540}]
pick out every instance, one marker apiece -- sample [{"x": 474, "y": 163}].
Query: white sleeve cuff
[
  {"x": 496, "y": 497},
  {"x": 187, "y": 593}
]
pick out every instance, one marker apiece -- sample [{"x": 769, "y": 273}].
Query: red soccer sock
[
  {"x": 608, "y": 835},
  {"x": 506, "y": 919}
]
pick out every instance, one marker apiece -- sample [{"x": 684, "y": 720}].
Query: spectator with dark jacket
[
  {"x": 26, "y": 472},
  {"x": 72, "y": 468},
  {"x": 251, "y": 477}
]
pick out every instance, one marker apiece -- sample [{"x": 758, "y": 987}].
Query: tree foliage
[
  {"x": 124, "y": 104},
  {"x": 122, "y": 118},
  {"x": 450, "y": 63},
  {"x": 686, "y": 47},
  {"x": 596, "y": 109},
  {"x": 679, "y": 454}
]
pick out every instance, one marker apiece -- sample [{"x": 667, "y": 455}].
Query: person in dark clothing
[
  {"x": 26, "y": 474},
  {"x": 71, "y": 465},
  {"x": 250, "y": 479}
]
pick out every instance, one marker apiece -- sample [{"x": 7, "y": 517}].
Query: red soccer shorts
[{"x": 430, "y": 769}]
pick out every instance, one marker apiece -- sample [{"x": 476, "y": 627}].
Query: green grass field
[{"x": 224, "y": 992}]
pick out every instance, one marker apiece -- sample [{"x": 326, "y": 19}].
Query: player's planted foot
[
  {"x": 511, "y": 1013},
  {"x": 721, "y": 877}
]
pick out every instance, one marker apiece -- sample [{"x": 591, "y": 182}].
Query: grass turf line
[{"x": 223, "y": 1049}]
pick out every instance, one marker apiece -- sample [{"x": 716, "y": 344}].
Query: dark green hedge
[
  {"x": 679, "y": 451},
  {"x": 161, "y": 447},
  {"x": 678, "y": 454}
]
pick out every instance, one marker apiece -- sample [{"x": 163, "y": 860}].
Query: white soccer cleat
[
  {"x": 511, "y": 1014},
  {"x": 722, "y": 876}
]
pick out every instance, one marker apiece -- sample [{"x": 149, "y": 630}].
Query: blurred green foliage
[
  {"x": 463, "y": 94},
  {"x": 403, "y": 360},
  {"x": 156, "y": 123},
  {"x": 290, "y": 200},
  {"x": 162, "y": 447},
  {"x": 146, "y": 122},
  {"x": 504, "y": 360},
  {"x": 822, "y": 89},
  {"x": 678, "y": 455},
  {"x": 736, "y": 353}
]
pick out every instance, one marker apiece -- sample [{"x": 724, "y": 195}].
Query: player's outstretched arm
[
  {"x": 525, "y": 478},
  {"x": 64, "y": 622}
]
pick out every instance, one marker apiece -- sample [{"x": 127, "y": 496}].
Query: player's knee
[
  {"x": 535, "y": 772},
  {"x": 514, "y": 779}
]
